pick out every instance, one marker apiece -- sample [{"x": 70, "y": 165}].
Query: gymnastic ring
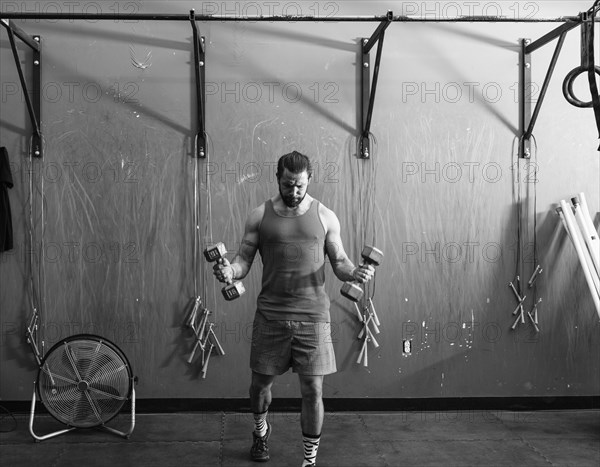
[{"x": 568, "y": 86}]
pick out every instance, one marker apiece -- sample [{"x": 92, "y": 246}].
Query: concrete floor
[{"x": 465, "y": 438}]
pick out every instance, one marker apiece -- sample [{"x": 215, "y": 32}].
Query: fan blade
[
  {"x": 108, "y": 392},
  {"x": 53, "y": 376},
  {"x": 93, "y": 406},
  {"x": 106, "y": 374},
  {"x": 92, "y": 361},
  {"x": 72, "y": 361}
]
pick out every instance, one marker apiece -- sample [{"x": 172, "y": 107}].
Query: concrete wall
[{"x": 440, "y": 195}]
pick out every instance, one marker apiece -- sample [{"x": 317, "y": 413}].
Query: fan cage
[{"x": 84, "y": 381}]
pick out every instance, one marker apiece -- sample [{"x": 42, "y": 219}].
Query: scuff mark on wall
[{"x": 146, "y": 63}]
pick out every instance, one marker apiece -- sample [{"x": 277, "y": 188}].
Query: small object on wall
[{"x": 406, "y": 346}]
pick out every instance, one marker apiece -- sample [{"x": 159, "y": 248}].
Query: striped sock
[
  {"x": 260, "y": 423},
  {"x": 311, "y": 445}
]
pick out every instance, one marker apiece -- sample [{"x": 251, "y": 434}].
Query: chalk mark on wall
[{"x": 136, "y": 63}]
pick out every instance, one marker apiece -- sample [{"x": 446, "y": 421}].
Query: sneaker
[{"x": 260, "y": 451}]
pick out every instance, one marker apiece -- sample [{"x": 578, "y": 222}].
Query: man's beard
[{"x": 291, "y": 201}]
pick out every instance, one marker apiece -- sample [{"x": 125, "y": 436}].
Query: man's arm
[
  {"x": 343, "y": 268},
  {"x": 242, "y": 262}
]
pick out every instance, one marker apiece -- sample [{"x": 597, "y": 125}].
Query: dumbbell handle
[
  {"x": 350, "y": 285},
  {"x": 234, "y": 289},
  {"x": 362, "y": 264}
]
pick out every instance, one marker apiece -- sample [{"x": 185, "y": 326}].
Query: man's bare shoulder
[
  {"x": 328, "y": 217},
  {"x": 255, "y": 217}
]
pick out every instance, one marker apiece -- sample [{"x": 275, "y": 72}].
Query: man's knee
[
  {"x": 312, "y": 388},
  {"x": 261, "y": 384}
]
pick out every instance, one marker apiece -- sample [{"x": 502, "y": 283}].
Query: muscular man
[{"x": 293, "y": 233}]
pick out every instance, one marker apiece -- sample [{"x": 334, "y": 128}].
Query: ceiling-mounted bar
[
  {"x": 34, "y": 105},
  {"x": 368, "y": 93},
  {"x": 569, "y": 22},
  {"x": 279, "y": 18},
  {"x": 199, "y": 66}
]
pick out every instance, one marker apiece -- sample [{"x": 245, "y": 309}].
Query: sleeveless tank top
[{"x": 293, "y": 256}]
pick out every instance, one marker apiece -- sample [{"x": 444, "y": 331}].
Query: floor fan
[{"x": 84, "y": 381}]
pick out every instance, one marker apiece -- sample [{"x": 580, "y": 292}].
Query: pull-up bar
[
  {"x": 527, "y": 121},
  {"x": 281, "y": 18}
]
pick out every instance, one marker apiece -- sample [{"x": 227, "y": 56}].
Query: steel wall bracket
[
  {"x": 525, "y": 86},
  {"x": 199, "y": 67},
  {"x": 368, "y": 90},
  {"x": 527, "y": 119},
  {"x": 33, "y": 99},
  {"x": 36, "y": 143}
]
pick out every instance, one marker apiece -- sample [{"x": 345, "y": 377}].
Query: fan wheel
[{"x": 84, "y": 381}]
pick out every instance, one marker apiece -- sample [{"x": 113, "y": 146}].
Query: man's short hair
[{"x": 295, "y": 162}]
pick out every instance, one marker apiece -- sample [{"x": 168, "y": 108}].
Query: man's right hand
[
  {"x": 363, "y": 273},
  {"x": 223, "y": 271}
]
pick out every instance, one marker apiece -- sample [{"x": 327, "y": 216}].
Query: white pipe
[
  {"x": 571, "y": 227},
  {"x": 590, "y": 236},
  {"x": 586, "y": 210},
  {"x": 577, "y": 233}
]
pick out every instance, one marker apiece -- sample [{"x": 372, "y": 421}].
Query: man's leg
[
  {"x": 260, "y": 399},
  {"x": 260, "y": 392},
  {"x": 311, "y": 419}
]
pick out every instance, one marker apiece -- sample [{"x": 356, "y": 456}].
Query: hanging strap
[{"x": 591, "y": 68}]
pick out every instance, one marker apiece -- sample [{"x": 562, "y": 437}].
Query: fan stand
[{"x": 124, "y": 434}]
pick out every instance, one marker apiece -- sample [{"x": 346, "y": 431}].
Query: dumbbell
[
  {"x": 233, "y": 289},
  {"x": 370, "y": 255}
]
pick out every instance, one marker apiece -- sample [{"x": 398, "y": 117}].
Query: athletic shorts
[{"x": 305, "y": 347}]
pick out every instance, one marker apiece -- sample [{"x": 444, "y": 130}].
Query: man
[{"x": 293, "y": 232}]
